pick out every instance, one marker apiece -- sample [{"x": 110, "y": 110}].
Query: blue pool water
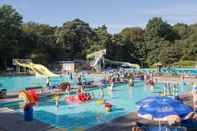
[
  {"x": 90, "y": 114},
  {"x": 13, "y": 84},
  {"x": 16, "y": 83}
]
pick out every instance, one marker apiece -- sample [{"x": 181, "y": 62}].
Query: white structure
[
  {"x": 67, "y": 66},
  {"x": 97, "y": 59},
  {"x": 19, "y": 68}
]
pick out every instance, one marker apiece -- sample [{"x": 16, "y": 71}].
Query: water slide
[
  {"x": 99, "y": 55},
  {"x": 122, "y": 63},
  {"x": 37, "y": 68}
]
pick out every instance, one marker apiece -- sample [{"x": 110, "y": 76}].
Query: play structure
[
  {"x": 37, "y": 68},
  {"x": 98, "y": 59},
  {"x": 29, "y": 97}
]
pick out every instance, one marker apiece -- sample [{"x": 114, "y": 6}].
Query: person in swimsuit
[
  {"x": 57, "y": 99},
  {"x": 194, "y": 93},
  {"x": 130, "y": 81}
]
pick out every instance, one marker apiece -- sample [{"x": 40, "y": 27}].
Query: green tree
[
  {"x": 133, "y": 34},
  {"x": 157, "y": 28},
  {"x": 182, "y": 30},
  {"x": 157, "y": 45},
  {"x": 101, "y": 39},
  {"x": 122, "y": 50},
  {"x": 75, "y": 37},
  {"x": 170, "y": 55},
  {"x": 38, "y": 42},
  {"x": 10, "y": 31}
]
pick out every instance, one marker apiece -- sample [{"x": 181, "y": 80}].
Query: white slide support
[{"x": 98, "y": 55}]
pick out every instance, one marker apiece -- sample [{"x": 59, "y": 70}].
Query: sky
[{"x": 115, "y": 14}]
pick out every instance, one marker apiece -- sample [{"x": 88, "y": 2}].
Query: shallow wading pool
[{"x": 89, "y": 114}]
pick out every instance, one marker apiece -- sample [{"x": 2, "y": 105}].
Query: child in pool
[
  {"x": 110, "y": 88},
  {"x": 57, "y": 98}
]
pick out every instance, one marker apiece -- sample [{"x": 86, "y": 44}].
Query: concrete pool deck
[
  {"x": 124, "y": 123},
  {"x": 12, "y": 121}
]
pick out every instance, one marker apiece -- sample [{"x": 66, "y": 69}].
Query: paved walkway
[
  {"x": 12, "y": 121},
  {"x": 124, "y": 123}
]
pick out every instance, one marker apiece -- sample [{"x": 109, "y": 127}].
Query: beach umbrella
[
  {"x": 146, "y": 101},
  {"x": 162, "y": 108}
]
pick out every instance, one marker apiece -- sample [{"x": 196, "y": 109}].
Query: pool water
[
  {"x": 90, "y": 114},
  {"x": 16, "y": 83}
]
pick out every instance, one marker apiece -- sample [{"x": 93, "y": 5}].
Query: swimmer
[
  {"x": 194, "y": 94},
  {"x": 110, "y": 84},
  {"x": 80, "y": 90},
  {"x": 68, "y": 88},
  {"x": 57, "y": 98},
  {"x": 130, "y": 82},
  {"x": 110, "y": 88},
  {"x": 102, "y": 93},
  {"x": 92, "y": 95}
]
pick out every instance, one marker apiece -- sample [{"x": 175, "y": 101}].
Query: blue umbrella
[
  {"x": 150, "y": 99},
  {"x": 160, "y": 107}
]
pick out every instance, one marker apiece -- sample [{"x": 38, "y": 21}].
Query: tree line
[{"x": 45, "y": 44}]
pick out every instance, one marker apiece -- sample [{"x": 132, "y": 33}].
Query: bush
[{"x": 185, "y": 64}]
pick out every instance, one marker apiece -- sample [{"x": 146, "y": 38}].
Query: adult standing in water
[
  {"x": 130, "y": 80},
  {"x": 110, "y": 88},
  {"x": 71, "y": 76},
  {"x": 194, "y": 93},
  {"x": 57, "y": 99},
  {"x": 101, "y": 85},
  {"x": 47, "y": 82}
]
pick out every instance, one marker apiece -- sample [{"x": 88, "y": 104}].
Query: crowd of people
[{"x": 119, "y": 76}]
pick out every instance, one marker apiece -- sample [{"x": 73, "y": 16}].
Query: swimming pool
[
  {"x": 90, "y": 114},
  {"x": 16, "y": 83}
]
